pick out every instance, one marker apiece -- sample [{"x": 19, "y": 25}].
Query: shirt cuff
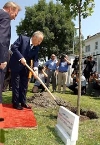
[{"x": 35, "y": 68}]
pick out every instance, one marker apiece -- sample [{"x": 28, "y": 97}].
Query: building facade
[{"x": 92, "y": 47}]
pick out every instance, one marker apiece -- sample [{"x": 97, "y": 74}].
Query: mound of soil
[{"x": 46, "y": 101}]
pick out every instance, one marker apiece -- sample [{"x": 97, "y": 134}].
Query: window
[
  {"x": 87, "y": 48},
  {"x": 96, "y": 45}
]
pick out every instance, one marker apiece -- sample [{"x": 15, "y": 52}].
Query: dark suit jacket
[
  {"x": 21, "y": 48},
  {"x": 5, "y": 35}
]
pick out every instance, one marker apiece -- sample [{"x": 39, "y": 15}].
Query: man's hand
[
  {"x": 23, "y": 61},
  {"x": 3, "y": 65}
]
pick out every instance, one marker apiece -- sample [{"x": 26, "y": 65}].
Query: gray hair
[
  {"x": 38, "y": 34},
  {"x": 13, "y": 5}
]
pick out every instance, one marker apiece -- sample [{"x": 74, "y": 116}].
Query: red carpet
[{"x": 17, "y": 118}]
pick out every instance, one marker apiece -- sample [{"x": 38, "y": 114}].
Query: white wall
[
  {"x": 70, "y": 70},
  {"x": 91, "y": 41}
]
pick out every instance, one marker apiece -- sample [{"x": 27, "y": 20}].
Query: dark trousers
[
  {"x": 87, "y": 75},
  {"x": 52, "y": 76},
  {"x": 75, "y": 89},
  {"x": 7, "y": 81},
  {"x": 1, "y": 83},
  {"x": 41, "y": 87},
  {"x": 19, "y": 86}
]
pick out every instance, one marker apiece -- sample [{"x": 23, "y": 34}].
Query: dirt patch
[{"x": 46, "y": 101}]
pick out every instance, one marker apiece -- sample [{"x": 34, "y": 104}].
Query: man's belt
[
  {"x": 63, "y": 71},
  {"x": 52, "y": 69}
]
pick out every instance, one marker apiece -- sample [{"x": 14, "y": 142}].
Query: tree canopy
[
  {"x": 86, "y": 7},
  {"x": 54, "y": 21}
]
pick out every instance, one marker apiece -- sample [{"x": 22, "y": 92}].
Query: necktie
[
  {"x": 32, "y": 46},
  {"x": 30, "y": 54}
]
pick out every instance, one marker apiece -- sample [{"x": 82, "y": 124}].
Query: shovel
[{"x": 42, "y": 83}]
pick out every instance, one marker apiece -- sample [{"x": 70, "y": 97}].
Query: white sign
[{"x": 67, "y": 126}]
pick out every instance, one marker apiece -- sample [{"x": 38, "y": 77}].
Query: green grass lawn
[{"x": 45, "y": 134}]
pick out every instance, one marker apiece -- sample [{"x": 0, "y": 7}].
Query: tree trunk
[{"x": 80, "y": 60}]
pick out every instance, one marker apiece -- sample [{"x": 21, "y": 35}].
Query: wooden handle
[{"x": 41, "y": 81}]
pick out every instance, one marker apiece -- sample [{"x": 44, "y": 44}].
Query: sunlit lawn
[{"x": 45, "y": 134}]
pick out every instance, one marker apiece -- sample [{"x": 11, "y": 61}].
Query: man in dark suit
[
  {"x": 23, "y": 53},
  {"x": 89, "y": 64},
  {"x": 8, "y": 13}
]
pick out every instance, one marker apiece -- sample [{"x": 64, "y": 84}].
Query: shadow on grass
[
  {"x": 2, "y": 136},
  {"x": 93, "y": 93},
  {"x": 7, "y": 98},
  {"x": 66, "y": 92},
  {"x": 3, "y": 133},
  {"x": 69, "y": 92},
  {"x": 52, "y": 129},
  {"x": 51, "y": 116}
]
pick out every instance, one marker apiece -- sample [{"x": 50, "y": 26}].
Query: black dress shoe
[
  {"x": 18, "y": 107},
  {"x": 26, "y": 106},
  {"x": 1, "y": 119}
]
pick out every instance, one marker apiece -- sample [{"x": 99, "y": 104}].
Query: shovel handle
[{"x": 41, "y": 82}]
